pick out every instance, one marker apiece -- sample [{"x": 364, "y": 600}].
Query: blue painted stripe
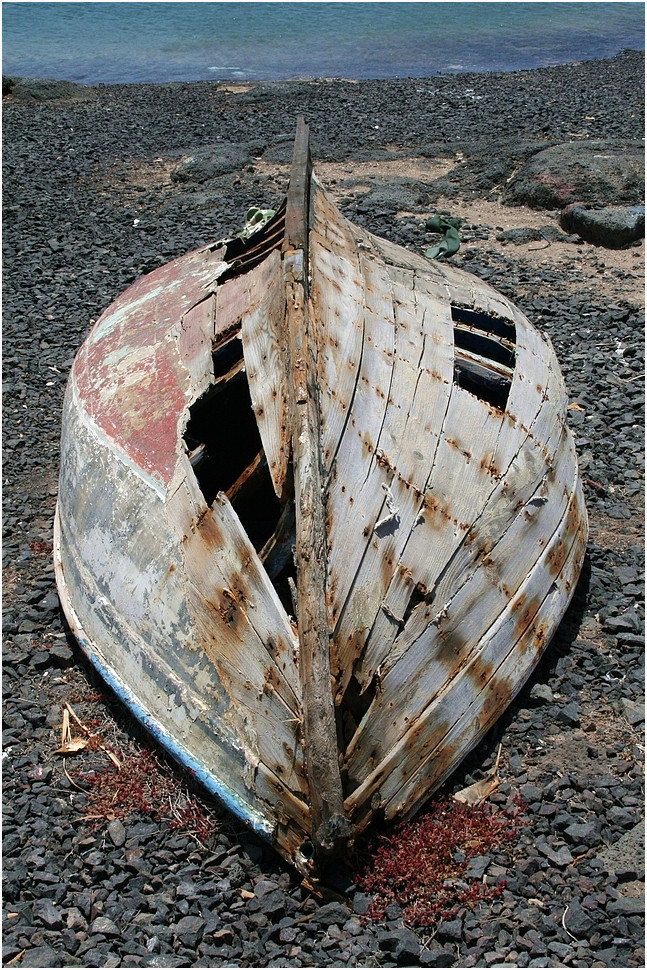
[{"x": 214, "y": 785}]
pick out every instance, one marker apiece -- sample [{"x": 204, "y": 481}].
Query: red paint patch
[{"x": 129, "y": 373}]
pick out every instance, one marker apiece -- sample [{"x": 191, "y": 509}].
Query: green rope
[{"x": 450, "y": 242}]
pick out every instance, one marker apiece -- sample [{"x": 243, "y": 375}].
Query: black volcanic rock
[{"x": 605, "y": 172}]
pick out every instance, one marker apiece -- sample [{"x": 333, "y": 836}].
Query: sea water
[{"x": 114, "y": 43}]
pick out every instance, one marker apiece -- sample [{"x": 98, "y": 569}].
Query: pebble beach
[{"x": 103, "y": 184}]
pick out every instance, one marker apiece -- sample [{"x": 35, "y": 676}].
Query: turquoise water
[{"x": 132, "y": 42}]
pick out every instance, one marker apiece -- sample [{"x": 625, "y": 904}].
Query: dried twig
[
  {"x": 15, "y": 959},
  {"x": 592, "y": 482},
  {"x": 498, "y": 758},
  {"x": 71, "y": 780},
  {"x": 69, "y": 746},
  {"x": 564, "y": 926}
]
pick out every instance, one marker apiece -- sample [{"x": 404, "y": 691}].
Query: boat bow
[{"x": 319, "y": 516}]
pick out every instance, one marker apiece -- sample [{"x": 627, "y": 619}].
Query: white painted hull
[{"x": 420, "y": 419}]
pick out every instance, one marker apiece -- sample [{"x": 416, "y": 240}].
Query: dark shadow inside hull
[
  {"x": 223, "y": 434},
  {"x": 226, "y": 454},
  {"x": 484, "y": 362}
]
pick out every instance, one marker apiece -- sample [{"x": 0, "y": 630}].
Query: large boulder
[
  {"x": 393, "y": 195},
  {"x": 36, "y": 89},
  {"x": 213, "y": 160},
  {"x": 608, "y": 172},
  {"x": 612, "y": 226}
]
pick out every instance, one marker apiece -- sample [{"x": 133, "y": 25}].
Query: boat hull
[{"x": 317, "y": 660}]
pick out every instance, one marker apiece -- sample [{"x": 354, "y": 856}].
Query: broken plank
[{"x": 264, "y": 340}]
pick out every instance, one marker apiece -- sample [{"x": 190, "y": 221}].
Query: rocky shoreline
[{"x": 103, "y": 184}]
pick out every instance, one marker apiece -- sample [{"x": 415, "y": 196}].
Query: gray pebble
[
  {"x": 105, "y": 927},
  {"x": 117, "y": 832}
]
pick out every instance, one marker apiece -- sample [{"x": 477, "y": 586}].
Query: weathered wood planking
[
  {"x": 264, "y": 342},
  {"x": 439, "y": 736},
  {"x": 417, "y": 406},
  {"x": 291, "y": 816},
  {"x": 517, "y": 492},
  {"x": 355, "y": 496},
  {"x": 232, "y": 301},
  {"x": 527, "y": 634},
  {"x": 376, "y": 565},
  {"x": 337, "y": 321},
  {"x": 244, "y": 631},
  {"x": 196, "y": 340},
  {"x": 176, "y": 690},
  {"x": 396, "y": 256},
  {"x": 459, "y": 479},
  {"x": 442, "y": 636}
]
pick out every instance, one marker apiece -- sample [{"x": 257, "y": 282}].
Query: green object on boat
[
  {"x": 255, "y": 219},
  {"x": 450, "y": 242}
]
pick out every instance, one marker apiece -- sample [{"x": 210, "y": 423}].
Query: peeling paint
[{"x": 449, "y": 523}]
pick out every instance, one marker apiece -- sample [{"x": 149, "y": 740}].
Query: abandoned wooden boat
[{"x": 319, "y": 516}]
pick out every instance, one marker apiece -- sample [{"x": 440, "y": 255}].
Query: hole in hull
[
  {"x": 491, "y": 388},
  {"x": 226, "y": 454},
  {"x": 494, "y": 325},
  {"x": 352, "y": 708},
  {"x": 484, "y": 355},
  {"x": 223, "y": 439}
]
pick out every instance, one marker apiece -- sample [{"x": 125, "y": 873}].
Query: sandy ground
[{"x": 599, "y": 267}]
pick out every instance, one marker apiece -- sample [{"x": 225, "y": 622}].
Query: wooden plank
[
  {"x": 432, "y": 764},
  {"x": 231, "y": 303},
  {"x": 298, "y": 197},
  {"x": 256, "y": 595},
  {"x": 416, "y": 408},
  {"x": 458, "y": 481},
  {"x": 289, "y": 813},
  {"x": 326, "y": 221},
  {"x": 443, "y": 733},
  {"x": 488, "y": 568},
  {"x": 336, "y": 295},
  {"x": 489, "y": 301},
  {"x": 326, "y": 797},
  {"x": 264, "y": 339},
  {"x": 525, "y": 485},
  {"x": 219, "y": 557},
  {"x": 530, "y": 376},
  {"x": 401, "y": 258},
  {"x": 195, "y": 343},
  {"x": 355, "y": 496},
  {"x": 242, "y": 628},
  {"x": 455, "y": 493},
  {"x": 461, "y": 286}
]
